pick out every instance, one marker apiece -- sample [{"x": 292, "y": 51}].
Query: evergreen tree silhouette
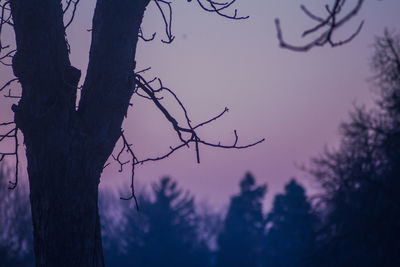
[
  {"x": 291, "y": 224},
  {"x": 163, "y": 233},
  {"x": 170, "y": 238},
  {"x": 240, "y": 243}
]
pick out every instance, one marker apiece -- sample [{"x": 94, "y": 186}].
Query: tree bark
[{"x": 67, "y": 147}]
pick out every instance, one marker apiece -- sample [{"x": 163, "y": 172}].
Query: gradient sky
[{"x": 295, "y": 100}]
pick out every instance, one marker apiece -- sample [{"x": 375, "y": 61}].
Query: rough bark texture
[{"x": 66, "y": 148}]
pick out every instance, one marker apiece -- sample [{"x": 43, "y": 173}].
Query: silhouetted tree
[
  {"x": 164, "y": 233},
  {"x": 170, "y": 229},
  {"x": 67, "y": 146},
  {"x": 210, "y": 224},
  {"x": 291, "y": 227},
  {"x": 240, "y": 243},
  {"x": 16, "y": 246},
  {"x": 122, "y": 229},
  {"x": 361, "y": 178}
]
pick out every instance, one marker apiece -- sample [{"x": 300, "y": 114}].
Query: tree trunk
[
  {"x": 64, "y": 206},
  {"x": 67, "y": 147}
]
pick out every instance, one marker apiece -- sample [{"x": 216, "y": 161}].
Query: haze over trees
[{"x": 68, "y": 139}]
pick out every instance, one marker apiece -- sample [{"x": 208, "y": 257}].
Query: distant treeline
[
  {"x": 353, "y": 221},
  {"x": 170, "y": 230}
]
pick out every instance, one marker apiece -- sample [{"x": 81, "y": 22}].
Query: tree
[
  {"x": 291, "y": 227},
  {"x": 361, "y": 178},
  {"x": 67, "y": 146},
  {"x": 122, "y": 229},
  {"x": 171, "y": 229},
  {"x": 16, "y": 248},
  {"x": 167, "y": 227},
  {"x": 240, "y": 243},
  {"x": 210, "y": 225}
]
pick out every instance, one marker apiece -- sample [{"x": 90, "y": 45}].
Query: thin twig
[{"x": 134, "y": 160}]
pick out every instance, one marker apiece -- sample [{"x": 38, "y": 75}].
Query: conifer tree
[
  {"x": 240, "y": 243},
  {"x": 163, "y": 233},
  {"x": 291, "y": 223},
  {"x": 171, "y": 229}
]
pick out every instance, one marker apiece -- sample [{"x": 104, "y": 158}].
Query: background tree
[
  {"x": 291, "y": 228},
  {"x": 171, "y": 229},
  {"x": 361, "y": 178},
  {"x": 122, "y": 229},
  {"x": 67, "y": 146},
  {"x": 16, "y": 248},
  {"x": 209, "y": 226},
  {"x": 165, "y": 233},
  {"x": 240, "y": 243}
]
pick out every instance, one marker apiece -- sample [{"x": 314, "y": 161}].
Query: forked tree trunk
[{"x": 67, "y": 147}]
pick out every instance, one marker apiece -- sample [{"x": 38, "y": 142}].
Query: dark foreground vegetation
[{"x": 354, "y": 221}]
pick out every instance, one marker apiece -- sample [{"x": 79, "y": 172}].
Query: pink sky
[{"x": 295, "y": 100}]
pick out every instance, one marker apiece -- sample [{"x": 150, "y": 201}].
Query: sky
[{"x": 294, "y": 100}]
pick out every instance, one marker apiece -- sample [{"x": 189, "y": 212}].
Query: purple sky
[{"x": 295, "y": 100}]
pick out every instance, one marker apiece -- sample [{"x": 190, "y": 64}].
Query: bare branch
[
  {"x": 107, "y": 164},
  {"x": 134, "y": 161},
  {"x": 7, "y": 123},
  {"x": 141, "y": 82},
  {"x": 13, "y": 133},
  {"x": 207, "y": 5},
  {"x": 212, "y": 119},
  {"x": 141, "y": 36},
  {"x": 5, "y": 18},
  {"x": 166, "y": 155},
  {"x": 327, "y": 25},
  {"x": 311, "y": 15},
  {"x": 9, "y": 95},
  {"x": 74, "y": 7},
  {"x": 143, "y": 70},
  {"x": 167, "y": 22},
  {"x": 151, "y": 93},
  {"x": 217, "y": 7},
  {"x": 8, "y": 55},
  {"x": 13, "y": 185},
  {"x": 10, "y": 133}
]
